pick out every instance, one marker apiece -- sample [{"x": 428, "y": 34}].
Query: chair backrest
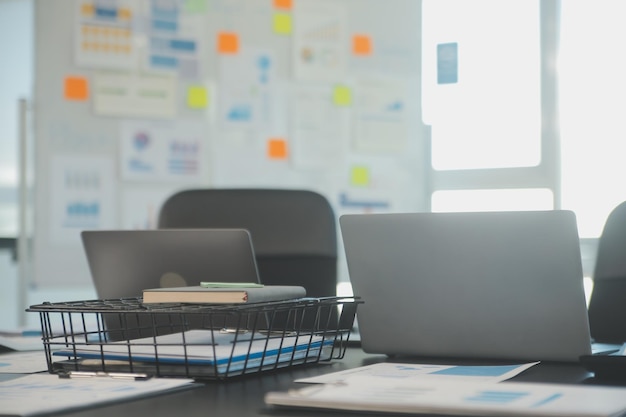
[
  {"x": 607, "y": 305},
  {"x": 293, "y": 232}
]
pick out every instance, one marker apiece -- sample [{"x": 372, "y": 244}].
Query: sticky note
[
  {"x": 342, "y": 96},
  {"x": 283, "y": 4},
  {"x": 227, "y": 43},
  {"x": 277, "y": 148},
  {"x": 361, "y": 45},
  {"x": 76, "y": 88},
  {"x": 124, "y": 13},
  {"x": 195, "y": 6},
  {"x": 282, "y": 23},
  {"x": 360, "y": 176},
  {"x": 197, "y": 97},
  {"x": 87, "y": 9},
  {"x": 447, "y": 63}
]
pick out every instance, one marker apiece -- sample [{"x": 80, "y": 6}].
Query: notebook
[
  {"x": 125, "y": 262},
  {"x": 487, "y": 285}
]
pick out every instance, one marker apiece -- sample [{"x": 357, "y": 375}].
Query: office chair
[
  {"x": 607, "y": 305},
  {"x": 293, "y": 231}
]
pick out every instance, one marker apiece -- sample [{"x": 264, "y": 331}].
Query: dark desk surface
[{"x": 243, "y": 396}]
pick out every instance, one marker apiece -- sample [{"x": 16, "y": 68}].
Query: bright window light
[
  {"x": 481, "y": 83},
  {"x": 492, "y": 200}
]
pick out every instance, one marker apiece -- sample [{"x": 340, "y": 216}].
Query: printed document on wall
[
  {"x": 247, "y": 82},
  {"x": 381, "y": 116},
  {"x": 82, "y": 196},
  {"x": 135, "y": 95},
  {"x": 104, "y": 36},
  {"x": 174, "y": 41},
  {"x": 320, "y": 129},
  {"x": 163, "y": 151},
  {"x": 319, "y": 41}
]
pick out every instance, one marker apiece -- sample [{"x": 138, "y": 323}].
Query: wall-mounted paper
[
  {"x": 135, "y": 95},
  {"x": 380, "y": 116},
  {"x": 319, "y": 41},
  {"x": 104, "y": 35},
  {"x": 76, "y": 88},
  {"x": 320, "y": 130},
  {"x": 247, "y": 80},
  {"x": 82, "y": 195},
  {"x": 163, "y": 151},
  {"x": 174, "y": 40}
]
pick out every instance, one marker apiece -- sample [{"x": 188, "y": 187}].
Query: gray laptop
[
  {"x": 489, "y": 285},
  {"x": 125, "y": 262}
]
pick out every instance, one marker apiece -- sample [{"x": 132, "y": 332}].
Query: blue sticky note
[{"x": 447, "y": 63}]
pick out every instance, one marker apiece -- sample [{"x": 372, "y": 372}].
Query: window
[
  {"x": 592, "y": 89},
  {"x": 484, "y": 65}
]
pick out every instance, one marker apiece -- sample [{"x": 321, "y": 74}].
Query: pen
[{"x": 100, "y": 374}]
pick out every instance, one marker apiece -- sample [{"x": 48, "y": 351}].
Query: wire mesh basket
[{"x": 198, "y": 341}]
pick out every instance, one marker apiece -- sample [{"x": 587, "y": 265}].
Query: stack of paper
[
  {"x": 456, "y": 396},
  {"x": 208, "y": 348}
]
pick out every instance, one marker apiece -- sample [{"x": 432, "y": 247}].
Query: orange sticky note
[
  {"x": 277, "y": 148},
  {"x": 283, "y": 4},
  {"x": 227, "y": 43},
  {"x": 361, "y": 45},
  {"x": 76, "y": 88}
]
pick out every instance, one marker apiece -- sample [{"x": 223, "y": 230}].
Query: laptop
[
  {"x": 485, "y": 285},
  {"x": 125, "y": 262}
]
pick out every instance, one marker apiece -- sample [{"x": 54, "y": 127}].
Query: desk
[{"x": 243, "y": 397}]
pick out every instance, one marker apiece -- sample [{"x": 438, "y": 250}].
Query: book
[
  {"x": 371, "y": 394},
  {"x": 223, "y": 295}
]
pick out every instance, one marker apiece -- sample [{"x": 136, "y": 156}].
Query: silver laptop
[
  {"x": 489, "y": 285},
  {"x": 125, "y": 262}
]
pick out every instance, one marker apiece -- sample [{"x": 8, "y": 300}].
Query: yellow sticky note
[
  {"x": 277, "y": 148},
  {"x": 197, "y": 97},
  {"x": 76, "y": 88},
  {"x": 360, "y": 176},
  {"x": 342, "y": 96},
  {"x": 282, "y": 23}
]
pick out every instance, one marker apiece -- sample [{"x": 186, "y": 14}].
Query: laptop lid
[
  {"x": 125, "y": 262},
  {"x": 497, "y": 285}
]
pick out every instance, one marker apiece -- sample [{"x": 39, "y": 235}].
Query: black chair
[
  {"x": 293, "y": 231},
  {"x": 607, "y": 305}
]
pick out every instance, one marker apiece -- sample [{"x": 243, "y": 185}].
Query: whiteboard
[{"x": 135, "y": 100}]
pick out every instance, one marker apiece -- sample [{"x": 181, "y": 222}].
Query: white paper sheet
[
  {"x": 39, "y": 393},
  {"x": 24, "y": 362},
  {"x": 209, "y": 348},
  {"x": 416, "y": 372},
  {"x": 456, "y": 397}
]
